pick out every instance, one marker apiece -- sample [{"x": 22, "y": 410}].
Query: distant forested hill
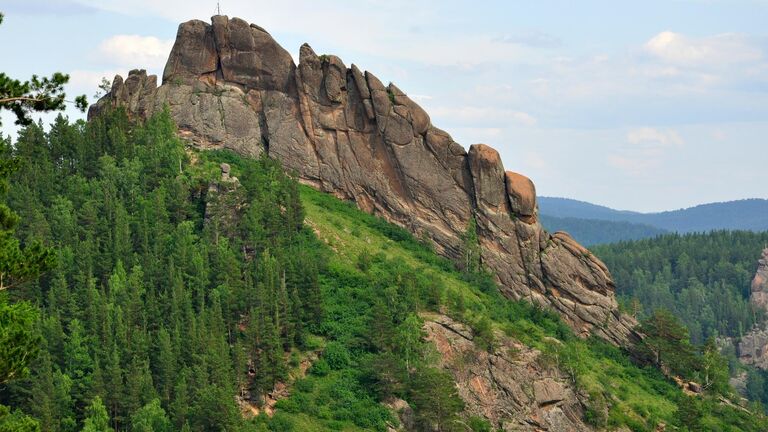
[
  {"x": 593, "y": 231},
  {"x": 566, "y": 207},
  {"x": 749, "y": 214},
  {"x": 704, "y": 279}
]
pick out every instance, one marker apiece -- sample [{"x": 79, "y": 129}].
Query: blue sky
[{"x": 646, "y": 106}]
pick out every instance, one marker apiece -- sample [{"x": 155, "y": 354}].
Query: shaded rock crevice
[{"x": 341, "y": 130}]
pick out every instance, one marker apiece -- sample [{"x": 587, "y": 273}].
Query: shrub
[
  {"x": 479, "y": 424},
  {"x": 320, "y": 368},
  {"x": 281, "y": 422},
  {"x": 337, "y": 356}
]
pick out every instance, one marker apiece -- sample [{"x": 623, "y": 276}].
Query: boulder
[
  {"x": 488, "y": 178},
  {"x": 522, "y": 196}
]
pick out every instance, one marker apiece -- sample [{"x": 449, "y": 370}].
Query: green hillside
[{"x": 178, "y": 306}]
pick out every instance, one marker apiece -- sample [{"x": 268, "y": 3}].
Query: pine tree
[
  {"x": 435, "y": 400},
  {"x": 19, "y": 340},
  {"x": 408, "y": 336},
  {"x": 150, "y": 418},
  {"x": 50, "y": 400},
  {"x": 78, "y": 363},
  {"x": 165, "y": 365},
  {"x": 470, "y": 251},
  {"x": 97, "y": 419},
  {"x": 36, "y": 95},
  {"x": 666, "y": 343}
]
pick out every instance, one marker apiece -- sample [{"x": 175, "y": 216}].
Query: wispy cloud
[
  {"x": 716, "y": 50},
  {"x": 473, "y": 115},
  {"x": 45, "y": 7},
  {"x": 645, "y": 150},
  {"x": 534, "y": 39},
  {"x": 135, "y": 51},
  {"x": 647, "y": 135}
]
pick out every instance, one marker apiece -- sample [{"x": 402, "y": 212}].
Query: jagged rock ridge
[{"x": 230, "y": 85}]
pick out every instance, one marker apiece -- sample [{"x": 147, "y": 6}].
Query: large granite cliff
[{"x": 230, "y": 85}]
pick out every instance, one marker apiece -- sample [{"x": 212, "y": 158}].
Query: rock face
[
  {"x": 759, "y": 296},
  {"x": 510, "y": 387},
  {"x": 753, "y": 346},
  {"x": 341, "y": 130}
]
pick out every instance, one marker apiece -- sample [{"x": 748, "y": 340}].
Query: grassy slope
[
  {"x": 638, "y": 397},
  {"x": 620, "y": 393},
  {"x": 334, "y": 398}
]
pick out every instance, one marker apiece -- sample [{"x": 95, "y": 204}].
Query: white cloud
[
  {"x": 523, "y": 118},
  {"x": 634, "y": 166},
  {"x": 647, "y": 135},
  {"x": 482, "y": 115},
  {"x": 390, "y": 35},
  {"x": 645, "y": 151},
  {"x": 89, "y": 79},
  {"x": 535, "y": 39},
  {"x": 536, "y": 162},
  {"x": 419, "y": 98},
  {"x": 714, "y": 50},
  {"x": 135, "y": 51},
  {"x": 719, "y": 135}
]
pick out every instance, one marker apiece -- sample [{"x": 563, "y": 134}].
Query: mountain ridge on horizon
[
  {"x": 625, "y": 211},
  {"x": 589, "y": 222}
]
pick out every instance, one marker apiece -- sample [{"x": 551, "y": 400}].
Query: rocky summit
[{"x": 230, "y": 85}]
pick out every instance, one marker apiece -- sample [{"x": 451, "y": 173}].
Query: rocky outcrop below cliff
[
  {"x": 759, "y": 289},
  {"x": 230, "y": 85},
  {"x": 753, "y": 346},
  {"x": 510, "y": 387}
]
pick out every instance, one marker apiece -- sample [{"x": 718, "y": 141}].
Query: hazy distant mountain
[
  {"x": 748, "y": 214},
  {"x": 594, "y": 231}
]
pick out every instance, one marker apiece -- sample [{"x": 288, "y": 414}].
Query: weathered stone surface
[
  {"x": 249, "y": 56},
  {"x": 230, "y": 85},
  {"x": 488, "y": 178},
  {"x": 522, "y": 196},
  {"x": 759, "y": 296},
  {"x": 136, "y": 94},
  {"x": 194, "y": 53},
  {"x": 753, "y": 346},
  {"x": 509, "y": 387}
]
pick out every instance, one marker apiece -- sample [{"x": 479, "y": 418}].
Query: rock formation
[
  {"x": 753, "y": 346},
  {"x": 341, "y": 130},
  {"x": 759, "y": 292},
  {"x": 510, "y": 386}
]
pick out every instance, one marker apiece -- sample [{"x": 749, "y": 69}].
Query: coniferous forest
[
  {"x": 177, "y": 296},
  {"x": 703, "y": 279}
]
